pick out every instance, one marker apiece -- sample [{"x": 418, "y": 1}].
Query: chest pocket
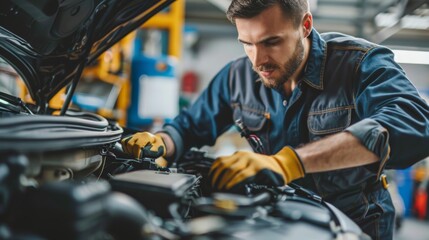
[
  {"x": 328, "y": 121},
  {"x": 255, "y": 120}
]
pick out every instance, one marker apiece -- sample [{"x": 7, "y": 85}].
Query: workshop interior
[{"x": 77, "y": 76}]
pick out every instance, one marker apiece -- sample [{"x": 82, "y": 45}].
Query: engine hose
[{"x": 126, "y": 217}]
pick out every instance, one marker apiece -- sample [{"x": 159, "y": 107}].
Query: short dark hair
[{"x": 294, "y": 9}]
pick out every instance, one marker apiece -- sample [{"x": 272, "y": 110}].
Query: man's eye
[{"x": 271, "y": 43}]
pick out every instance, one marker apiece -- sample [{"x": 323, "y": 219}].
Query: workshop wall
[{"x": 210, "y": 56}]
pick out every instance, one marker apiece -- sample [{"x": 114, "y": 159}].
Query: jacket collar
[{"x": 314, "y": 69}]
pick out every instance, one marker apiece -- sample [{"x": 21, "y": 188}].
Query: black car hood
[{"x": 49, "y": 42}]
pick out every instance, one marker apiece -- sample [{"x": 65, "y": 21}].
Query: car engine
[{"x": 82, "y": 186}]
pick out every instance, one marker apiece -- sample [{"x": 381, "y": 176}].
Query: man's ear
[{"x": 307, "y": 24}]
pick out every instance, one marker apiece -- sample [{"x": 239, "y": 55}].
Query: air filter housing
[{"x": 157, "y": 190}]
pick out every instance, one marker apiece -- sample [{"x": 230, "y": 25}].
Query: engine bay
[{"x": 89, "y": 189}]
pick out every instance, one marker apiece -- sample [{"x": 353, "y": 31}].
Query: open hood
[{"x": 49, "y": 42}]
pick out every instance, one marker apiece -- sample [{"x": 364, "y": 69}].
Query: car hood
[{"x": 49, "y": 42}]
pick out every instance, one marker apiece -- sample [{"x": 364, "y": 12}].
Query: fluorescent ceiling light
[{"x": 411, "y": 57}]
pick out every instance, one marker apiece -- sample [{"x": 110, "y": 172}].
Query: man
[{"x": 322, "y": 110}]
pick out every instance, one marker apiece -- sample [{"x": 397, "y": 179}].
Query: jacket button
[{"x": 284, "y": 103}]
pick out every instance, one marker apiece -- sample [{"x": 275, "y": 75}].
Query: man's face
[{"x": 274, "y": 46}]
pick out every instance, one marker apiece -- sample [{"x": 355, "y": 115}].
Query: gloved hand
[
  {"x": 248, "y": 167},
  {"x": 144, "y": 144}
]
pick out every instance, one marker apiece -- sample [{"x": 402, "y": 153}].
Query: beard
[{"x": 286, "y": 71}]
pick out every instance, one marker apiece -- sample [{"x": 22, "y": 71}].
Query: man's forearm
[{"x": 341, "y": 150}]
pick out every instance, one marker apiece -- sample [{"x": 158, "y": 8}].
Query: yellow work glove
[
  {"x": 249, "y": 167},
  {"x": 144, "y": 144}
]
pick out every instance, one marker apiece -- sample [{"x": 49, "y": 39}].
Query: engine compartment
[{"x": 90, "y": 189}]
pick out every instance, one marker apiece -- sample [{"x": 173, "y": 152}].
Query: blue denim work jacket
[{"x": 348, "y": 84}]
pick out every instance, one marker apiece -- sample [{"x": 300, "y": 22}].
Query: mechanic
[{"x": 326, "y": 111}]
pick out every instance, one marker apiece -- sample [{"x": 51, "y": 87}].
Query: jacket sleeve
[
  {"x": 394, "y": 116},
  {"x": 207, "y": 118}
]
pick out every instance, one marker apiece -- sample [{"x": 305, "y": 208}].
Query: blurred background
[{"x": 173, "y": 57}]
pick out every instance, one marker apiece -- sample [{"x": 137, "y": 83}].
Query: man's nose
[{"x": 259, "y": 56}]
